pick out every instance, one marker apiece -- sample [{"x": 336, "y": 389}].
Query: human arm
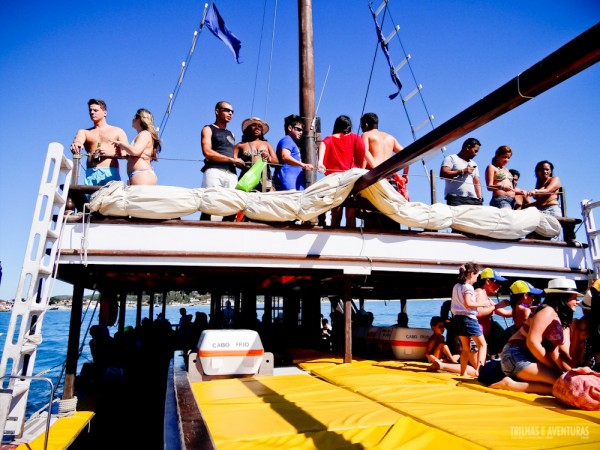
[
  {"x": 287, "y": 158},
  {"x": 142, "y": 141},
  {"x": 477, "y": 186},
  {"x": 488, "y": 309},
  {"x": 78, "y": 142},
  {"x": 538, "y": 324},
  {"x": 322, "y": 148},
  {"x": 368, "y": 156},
  {"x": 449, "y": 173},
  {"x": 271, "y": 156},
  {"x": 551, "y": 188},
  {"x": 490, "y": 175},
  {"x": 471, "y": 301},
  {"x": 499, "y": 309}
]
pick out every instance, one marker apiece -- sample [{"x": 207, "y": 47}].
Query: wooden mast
[
  {"x": 572, "y": 58},
  {"x": 307, "y": 87}
]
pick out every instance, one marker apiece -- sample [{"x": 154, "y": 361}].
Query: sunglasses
[
  {"x": 227, "y": 110},
  {"x": 301, "y": 130}
]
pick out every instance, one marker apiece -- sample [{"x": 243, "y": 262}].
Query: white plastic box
[
  {"x": 230, "y": 352},
  {"x": 410, "y": 343}
]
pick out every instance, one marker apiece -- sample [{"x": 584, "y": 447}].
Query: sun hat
[
  {"x": 491, "y": 273},
  {"x": 523, "y": 287},
  {"x": 246, "y": 123},
  {"x": 562, "y": 285}
]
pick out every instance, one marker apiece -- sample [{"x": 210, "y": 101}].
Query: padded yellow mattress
[{"x": 385, "y": 405}]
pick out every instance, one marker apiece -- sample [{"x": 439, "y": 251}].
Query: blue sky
[{"x": 57, "y": 55}]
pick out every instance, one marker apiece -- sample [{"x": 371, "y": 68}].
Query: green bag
[{"x": 251, "y": 178}]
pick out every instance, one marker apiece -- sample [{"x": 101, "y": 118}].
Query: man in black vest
[{"x": 217, "y": 147}]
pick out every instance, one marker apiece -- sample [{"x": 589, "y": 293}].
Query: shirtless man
[
  {"x": 380, "y": 146},
  {"x": 102, "y": 164}
]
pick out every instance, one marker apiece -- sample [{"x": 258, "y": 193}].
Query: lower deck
[{"x": 378, "y": 405}]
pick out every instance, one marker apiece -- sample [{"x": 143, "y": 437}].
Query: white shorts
[{"x": 219, "y": 178}]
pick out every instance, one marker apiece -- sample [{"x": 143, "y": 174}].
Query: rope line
[
  {"x": 271, "y": 58},
  {"x": 184, "y": 65},
  {"x": 262, "y": 28}
]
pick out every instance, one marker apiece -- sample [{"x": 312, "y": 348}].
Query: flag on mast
[{"x": 216, "y": 25}]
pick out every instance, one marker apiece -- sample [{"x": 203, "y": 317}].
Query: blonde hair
[{"x": 147, "y": 122}]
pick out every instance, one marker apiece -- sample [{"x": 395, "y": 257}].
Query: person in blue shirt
[{"x": 289, "y": 175}]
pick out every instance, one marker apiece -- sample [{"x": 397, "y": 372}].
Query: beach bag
[
  {"x": 251, "y": 178},
  {"x": 579, "y": 388}
]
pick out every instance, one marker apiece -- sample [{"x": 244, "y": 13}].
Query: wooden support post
[
  {"x": 347, "y": 319},
  {"x": 73, "y": 344},
  {"x": 138, "y": 310},
  {"x": 122, "y": 310}
]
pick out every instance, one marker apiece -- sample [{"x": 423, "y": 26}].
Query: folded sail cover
[{"x": 168, "y": 202}]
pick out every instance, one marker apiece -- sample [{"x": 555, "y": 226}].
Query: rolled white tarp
[{"x": 168, "y": 202}]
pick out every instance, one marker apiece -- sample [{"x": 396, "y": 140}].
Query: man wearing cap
[
  {"x": 217, "y": 147},
  {"x": 489, "y": 283},
  {"x": 253, "y": 147}
]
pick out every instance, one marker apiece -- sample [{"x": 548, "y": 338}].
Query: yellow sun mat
[
  {"x": 385, "y": 405},
  {"x": 62, "y": 432}
]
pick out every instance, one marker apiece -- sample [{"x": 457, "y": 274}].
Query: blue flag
[{"x": 216, "y": 24}]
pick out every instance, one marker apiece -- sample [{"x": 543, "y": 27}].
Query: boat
[{"x": 244, "y": 389}]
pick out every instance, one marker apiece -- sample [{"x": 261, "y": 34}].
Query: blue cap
[
  {"x": 522, "y": 287},
  {"x": 491, "y": 273}
]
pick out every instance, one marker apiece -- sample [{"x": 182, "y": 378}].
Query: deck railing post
[{"x": 432, "y": 187}]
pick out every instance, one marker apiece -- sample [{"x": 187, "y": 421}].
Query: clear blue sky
[{"x": 57, "y": 55}]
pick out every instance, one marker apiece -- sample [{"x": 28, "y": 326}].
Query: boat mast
[
  {"x": 307, "y": 88},
  {"x": 577, "y": 55}
]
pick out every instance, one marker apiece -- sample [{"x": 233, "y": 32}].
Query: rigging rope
[
  {"x": 262, "y": 28},
  {"x": 386, "y": 11},
  {"x": 184, "y": 65},
  {"x": 271, "y": 57}
]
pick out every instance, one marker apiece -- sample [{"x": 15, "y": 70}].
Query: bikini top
[
  {"x": 554, "y": 333},
  {"x": 501, "y": 175}
]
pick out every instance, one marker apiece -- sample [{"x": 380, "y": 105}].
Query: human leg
[
  {"x": 464, "y": 353},
  {"x": 531, "y": 387},
  {"x": 438, "y": 364},
  {"x": 336, "y": 216},
  {"x": 481, "y": 350}
]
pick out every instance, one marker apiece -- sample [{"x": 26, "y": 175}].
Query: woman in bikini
[
  {"x": 499, "y": 180},
  {"x": 538, "y": 353},
  {"x": 255, "y": 146},
  {"x": 143, "y": 150},
  {"x": 546, "y": 189}
]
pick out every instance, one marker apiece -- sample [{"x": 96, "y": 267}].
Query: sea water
[{"x": 52, "y": 351}]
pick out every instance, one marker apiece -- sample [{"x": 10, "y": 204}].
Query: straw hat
[
  {"x": 246, "y": 123},
  {"x": 562, "y": 286}
]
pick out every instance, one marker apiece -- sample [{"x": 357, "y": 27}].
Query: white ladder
[
  {"x": 33, "y": 290},
  {"x": 593, "y": 234}
]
